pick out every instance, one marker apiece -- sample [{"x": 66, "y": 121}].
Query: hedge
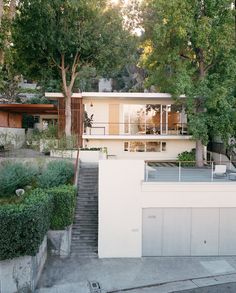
[
  {"x": 23, "y": 226},
  {"x": 64, "y": 198}
]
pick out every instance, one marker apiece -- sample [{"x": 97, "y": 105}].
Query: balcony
[{"x": 136, "y": 129}]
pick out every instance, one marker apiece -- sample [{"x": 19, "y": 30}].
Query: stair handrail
[{"x": 76, "y": 168}]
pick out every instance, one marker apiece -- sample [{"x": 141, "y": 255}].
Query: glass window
[
  {"x": 126, "y": 146},
  {"x": 137, "y": 146},
  {"x": 153, "y": 146},
  {"x": 163, "y": 146},
  {"x": 140, "y": 146}
]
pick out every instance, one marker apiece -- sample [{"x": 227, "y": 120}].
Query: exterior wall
[
  {"x": 124, "y": 195},
  {"x": 22, "y": 274},
  {"x": 12, "y": 120},
  {"x": 100, "y": 112},
  {"x": 14, "y": 136},
  {"x": 116, "y": 148}
]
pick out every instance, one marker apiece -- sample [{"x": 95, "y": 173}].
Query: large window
[
  {"x": 142, "y": 146},
  {"x": 152, "y": 119}
]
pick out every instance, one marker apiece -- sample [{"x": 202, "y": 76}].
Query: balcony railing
[
  {"x": 173, "y": 171},
  {"x": 104, "y": 128}
]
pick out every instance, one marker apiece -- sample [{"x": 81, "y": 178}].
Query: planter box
[
  {"x": 60, "y": 241},
  {"x": 21, "y": 274},
  {"x": 91, "y": 156},
  {"x": 72, "y": 154}
]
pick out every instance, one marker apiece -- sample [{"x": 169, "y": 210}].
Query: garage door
[{"x": 189, "y": 231}]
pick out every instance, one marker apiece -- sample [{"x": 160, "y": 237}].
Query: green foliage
[
  {"x": 189, "y": 48},
  {"x": 23, "y": 226},
  {"x": 15, "y": 175},
  {"x": 64, "y": 198},
  {"x": 187, "y": 158},
  {"x": 92, "y": 29},
  {"x": 57, "y": 173}
]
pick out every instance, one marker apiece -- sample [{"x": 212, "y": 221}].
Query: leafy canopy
[
  {"x": 47, "y": 30},
  {"x": 189, "y": 48}
]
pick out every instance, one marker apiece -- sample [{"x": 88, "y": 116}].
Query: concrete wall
[
  {"x": 123, "y": 194},
  {"x": 15, "y": 136},
  {"x": 116, "y": 148},
  {"x": 22, "y": 274}
]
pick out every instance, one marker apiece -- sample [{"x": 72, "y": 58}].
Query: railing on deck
[
  {"x": 175, "y": 171},
  {"x": 113, "y": 128}
]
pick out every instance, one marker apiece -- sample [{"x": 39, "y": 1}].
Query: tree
[
  {"x": 190, "y": 49},
  {"x": 60, "y": 37}
]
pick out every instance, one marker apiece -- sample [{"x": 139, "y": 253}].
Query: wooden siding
[
  {"x": 12, "y": 120},
  {"x": 114, "y": 117}
]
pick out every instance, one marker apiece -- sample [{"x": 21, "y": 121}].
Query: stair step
[{"x": 85, "y": 227}]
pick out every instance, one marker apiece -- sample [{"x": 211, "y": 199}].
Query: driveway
[{"x": 154, "y": 274}]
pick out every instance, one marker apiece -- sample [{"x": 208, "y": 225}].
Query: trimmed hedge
[
  {"x": 57, "y": 173},
  {"x": 64, "y": 198},
  {"x": 23, "y": 226}
]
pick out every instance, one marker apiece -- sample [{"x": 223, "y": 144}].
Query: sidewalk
[{"x": 156, "y": 274}]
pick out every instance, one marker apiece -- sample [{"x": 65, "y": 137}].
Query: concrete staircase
[{"x": 85, "y": 227}]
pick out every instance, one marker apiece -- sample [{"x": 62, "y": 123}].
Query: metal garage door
[{"x": 189, "y": 231}]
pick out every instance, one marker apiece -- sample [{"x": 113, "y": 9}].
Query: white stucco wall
[
  {"x": 116, "y": 148},
  {"x": 123, "y": 194},
  {"x": 15, "y": 136}
]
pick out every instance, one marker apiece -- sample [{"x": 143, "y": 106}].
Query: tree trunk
[
  {"x": 68, "y": 114},
  {"x": 1, "y": 11},
  {"x": 199, "y": 153}
]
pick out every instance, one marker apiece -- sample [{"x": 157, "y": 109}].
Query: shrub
[
  {"x": 64, "y": 198},
  {"x": 57, "y": 173},
  {"x": 188, "y": 157},
  {"x": 15, "y": 175},
  {"x": 23, "y": 226}
]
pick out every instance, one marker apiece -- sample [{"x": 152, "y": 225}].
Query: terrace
[
  {"x": 136, "y": 129},
  {"x": 187, "y": 172}
]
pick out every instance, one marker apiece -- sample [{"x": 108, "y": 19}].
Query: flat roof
[
  {"x": 112, "y": 95},
  {"x": 29, "y": 108}
]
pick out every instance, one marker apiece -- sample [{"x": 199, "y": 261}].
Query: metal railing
[
  {"x": 113, "y": 128},
  {"x": 188, "y": 171}
]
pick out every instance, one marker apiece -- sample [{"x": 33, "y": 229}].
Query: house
[
  {"x": 133, "y": 125},
  {"x": 11, "y": 120}
]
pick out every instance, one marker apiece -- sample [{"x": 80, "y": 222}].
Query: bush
[
  {"x": 188, "y": 157},
  {"x": 23, "y": 226},
  {"x": 64, "y": 198},
  {"x": 15, "y": 175},
  {"x": 57, "y": 173}
]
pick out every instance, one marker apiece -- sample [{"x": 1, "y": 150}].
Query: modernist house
[{"x": 132, "y": 125}]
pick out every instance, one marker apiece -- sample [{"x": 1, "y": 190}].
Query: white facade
[
  {"x": 136, "y": 125},
  {"x": 195, "y": 218}
]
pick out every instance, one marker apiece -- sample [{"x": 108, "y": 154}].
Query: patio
[{"x": 170, "y": 172}]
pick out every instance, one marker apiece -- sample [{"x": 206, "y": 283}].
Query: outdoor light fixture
[{"x": 91, "y": 104}]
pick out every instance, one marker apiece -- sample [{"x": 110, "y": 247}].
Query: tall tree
[
  {"x": 66, "y": 35},
  {"x": 190, "y": 49}
]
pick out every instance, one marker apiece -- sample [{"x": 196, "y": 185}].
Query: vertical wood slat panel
[
  {"x": 76, "y": 118},
  {"x": 114, "y": 115}
]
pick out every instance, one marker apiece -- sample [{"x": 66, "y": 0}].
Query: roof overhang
[
  {"x": 29, "y": 108},
  {"x": 113, "y": 95}
]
